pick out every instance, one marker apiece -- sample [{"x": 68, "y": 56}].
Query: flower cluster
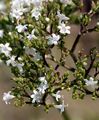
[
  {"x": 33, "y": 30},
  {"x": 37, "y": 94}
]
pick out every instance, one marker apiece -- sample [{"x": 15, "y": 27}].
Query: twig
[{"x": 76, "y": 42}]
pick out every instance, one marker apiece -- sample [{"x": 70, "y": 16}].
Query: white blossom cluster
[
  {"x": 17, "y": 12},
  {"x": 38, "y": 29},
  {"x": 38, "y": 94},
  {"x": 36, "y": 13},
  {"x": 14, "y": 63},
  {"x": 19, "y": 8},
  {"x": 6, "y": 50},
  {"x": 63, "y": 29}
]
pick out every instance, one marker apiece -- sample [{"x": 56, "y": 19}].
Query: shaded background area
[{"x": 86, "y": 109}]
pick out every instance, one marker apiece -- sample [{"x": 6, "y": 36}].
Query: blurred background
[{"x": 86, "y": 109}]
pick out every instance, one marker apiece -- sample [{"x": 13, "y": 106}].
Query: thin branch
[
  {"x": 45, "y": 62},
  {"x": 75, "y": 45},
  {"x": 76, "y": 42},
  {"x": 96, "y": 74},
  {"x": 73, "y": 57},
  {"x": 65, "y": 66},
  {"x": 91, "y": 64}
]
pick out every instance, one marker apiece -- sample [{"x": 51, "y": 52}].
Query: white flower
[
  {"x": 36, "y": 96},
  {"x": 17, "y": 13},
  {"x": 62, "y": 17},
  {"x": 57, "y": 95},
  {"x": 20, "y": 67},
  {"x": 43, "y": 80},
  {"x": 32, "y": 35},
  {"x": 7, "y": 97},
  {"x": 91, "y": 83},
  {"x": 15, "y": 64},
  {"x": 21, "y": 28},
  {"x": 1, "y": 33},
  {"x": 61, "y": 107},
  {"x": 43, "y": 86},
  {"x": 53, "y": 39},
  {"x": 11, "y": 61},
  {"x": 5, "y": 49},
  {"x": 64, "y": 29},
  {"x": 19, "y": 7},
  {"x": 36, "y": 13}
]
